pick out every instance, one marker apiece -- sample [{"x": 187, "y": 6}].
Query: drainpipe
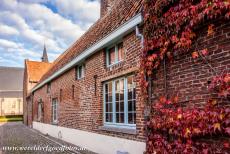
[{"x": 139, "y": 35}]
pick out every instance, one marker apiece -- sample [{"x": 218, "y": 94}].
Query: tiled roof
[
  {"x": 36, "y": 70},
  {"x": 11, "y": 79},
  {"x": 121, "y": 11}
]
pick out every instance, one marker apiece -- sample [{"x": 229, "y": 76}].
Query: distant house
[
  {"x": 32, "y": 74},
  {"x": 90, "y": 95},
  {"x": 11, "y": 91}
]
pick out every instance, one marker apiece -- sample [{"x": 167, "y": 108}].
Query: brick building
[
  {"x": 90, "y": 95},
  {"x": 11, "y": 90},
  {"x": 32, "y": 74}
]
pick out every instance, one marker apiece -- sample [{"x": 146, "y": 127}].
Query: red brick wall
[
  {"x": 85, "y": 111},
  {"x": 190, "y": 77}
]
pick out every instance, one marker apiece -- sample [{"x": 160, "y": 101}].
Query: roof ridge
[{"x": 121, "y": 11}]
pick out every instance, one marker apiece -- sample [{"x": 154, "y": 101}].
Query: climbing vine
[{"x": 170, "y": 28}]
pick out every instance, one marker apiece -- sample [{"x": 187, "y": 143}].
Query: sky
[{"x": 26, "y": 25}]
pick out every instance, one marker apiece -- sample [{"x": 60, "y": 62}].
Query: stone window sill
[{"x": 119, "y": 129}]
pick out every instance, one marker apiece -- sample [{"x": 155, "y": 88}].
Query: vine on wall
[{"x": 169, "y": 28}]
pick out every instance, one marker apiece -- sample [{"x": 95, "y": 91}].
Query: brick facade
[
  {"x": 190, "y": 77},
  {"x": 85, "y": 110}
]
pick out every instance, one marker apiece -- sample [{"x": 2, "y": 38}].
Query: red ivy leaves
[
  {"x": 196, "y": 54},
  {"x": 221, "y": 85},
  {"x": 184, "y": 125},
  {"x": 169, "y": 27},
  {"x": 210, "y": 29},
  {"x": 167, "y": 30}
]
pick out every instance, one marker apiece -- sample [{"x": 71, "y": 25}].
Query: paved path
[{"x": 18, "y": 135}]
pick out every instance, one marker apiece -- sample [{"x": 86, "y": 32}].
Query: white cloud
[
  {"x": 8, "y": 44},
  {"x": 34, "y": 1},
  {"x": 28, "y": 24},
  {"x": 85, "y": 11},
  {"x": 7, "y": 30}
]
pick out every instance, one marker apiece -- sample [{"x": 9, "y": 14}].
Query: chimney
[{"x": 106, "y": 6}]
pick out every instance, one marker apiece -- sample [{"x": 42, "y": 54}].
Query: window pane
[
  {"x": 111, "y": 55},
  {"x": 121, "y": 106},
  {"x": 122, "y": 84},
  {"x": 130, "y": 82},
  {"x": 109, "y": 117},
  {"x": 117, "y": 118},
  {"x": 130, "y": 94},
  {"x": 122, "y": 95},
  {"x": 106, "y": 88},
  {"x": 117, "y": 107},
  {"x": 134, "y": 105},
  {"x": 134, "y": 93},
  {"x": 107, "y": 107},
  {"x": 117, "y": 97},
  {"x": 130, "y": 106},
  {"x": 80, "y": 72},
  {"x": 110, "y": 97},
  {"x": 110, "y": 107},
  {"x": 120, "y": 52},
  {"x": 121, "y": 117},
  {"x": 117, "y": 87},
  {"x": 110, "y": 87},
  {"x": 132, "y": 117}
]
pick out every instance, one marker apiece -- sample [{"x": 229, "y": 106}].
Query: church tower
[{"x": 45, "y": 56}]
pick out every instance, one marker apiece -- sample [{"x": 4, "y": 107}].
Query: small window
[
  {"x": 115, "y": 54},
  {"x": 121, "y": 53},
  {"x": 80, "y": 71},
  {"x": 48, "y": 88},
  {"x": 54, "y": 111}
]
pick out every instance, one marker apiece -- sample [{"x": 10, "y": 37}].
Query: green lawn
[{"x": 10, "y": 118}]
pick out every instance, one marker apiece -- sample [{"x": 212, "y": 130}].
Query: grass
[{"x": 10, "y": 118}]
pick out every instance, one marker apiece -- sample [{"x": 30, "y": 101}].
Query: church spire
[{"x": 45, "y": 56}]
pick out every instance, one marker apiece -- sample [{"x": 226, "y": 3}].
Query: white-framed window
[
  {"x": 115, "y": 54},
  {"x": 120, "y": 102},
  {"x": 80, "y": 71},
  {"x": 55, "y": 110}
]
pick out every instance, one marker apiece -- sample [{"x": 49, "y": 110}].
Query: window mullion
[
  {"x": 125, "y": 100},
  {"x": 114, "y": 100},
  {"x": 104, "y": 94},
  {"x": 57, "y": 111}
]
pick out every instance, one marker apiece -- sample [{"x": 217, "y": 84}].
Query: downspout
[
  {"x": 139, "y": 35},
  {"x": 147, "y": 110}
]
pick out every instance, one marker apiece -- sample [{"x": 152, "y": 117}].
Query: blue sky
[{"x": 25, "y": 25}]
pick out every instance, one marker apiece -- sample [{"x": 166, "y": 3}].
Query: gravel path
[{"x": 18, "y": 135}]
